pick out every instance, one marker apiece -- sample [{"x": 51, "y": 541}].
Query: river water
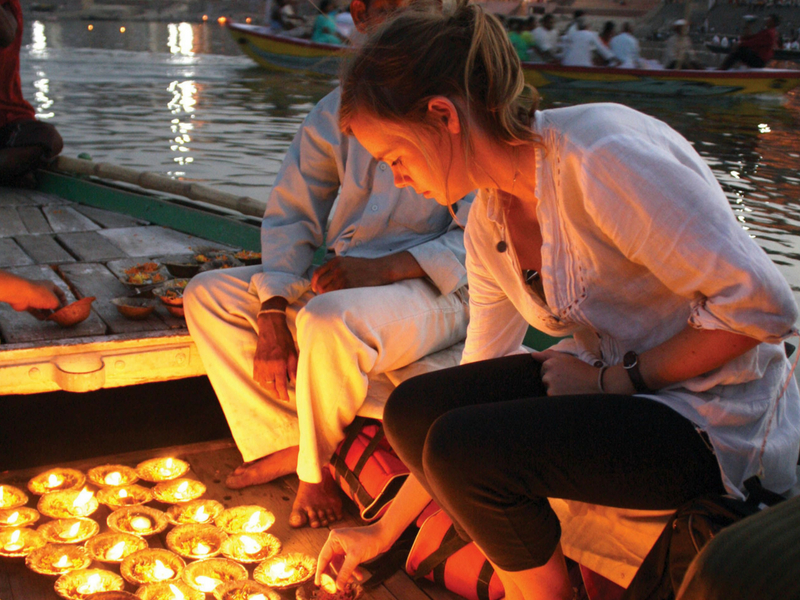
[{"x": 179, "y": 99}]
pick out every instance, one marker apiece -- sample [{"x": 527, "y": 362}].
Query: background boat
[{"x": 290, "y": 54}]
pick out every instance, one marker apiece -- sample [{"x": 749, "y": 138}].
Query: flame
[
  {"x": 201, "y": 515},
  {"x": 206, "y": 584},
  {"x": 279, "y": 571},
  {"x": 122, "y": 30},
  {"x": 82, "y": 499},
  {"x": 116, "y": 551},
  {"x": 201, "y": 549},
  {"x": 222, "y": 20},
  {"x": 114, "y": 478},
  {"x": 90, "y": 27},
  {"x": 141, "y": 523},
  {"x": 250, "y": 545},
  {"x": 62, "y": 562},
  {"x": 257, "y": 597},
  {"x": 252, "y": 522},
  {"x": 162, "y": 571},
  {"x": 248, "y": 20},
  {"x": 123, "y": 493},
  {"x": 13, "y": 518},
  {"x": 94, "y": 583},
  {"x": 72, "y": 532},
  {"x": 327, "y": 583},
  {"x": 2, "y": 493},
  {"x": 205, "y": 17},
  {"x": 176, "y": 593},
  {"x": 53, "y": 480},
  {"x": 13, "y": 542}
]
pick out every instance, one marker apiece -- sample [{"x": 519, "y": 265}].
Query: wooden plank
[
  {"x": 44, "y": 249},
  {"x": 10, "y": 223},
  {"x": 22, "y": 327},
  {"x": 152, "y": 240},
  {"x": 92, "y": 279},
  {"x": 65, "y": 219},
  {"x": 11, "y": 255},
  {"x": 34, "y": 219},
  {"x": 401, "y": 586},
  {"x": 108, "y": 219},
  {"x": 90, "y": 246},
  {"x": 17, "y": 197}
]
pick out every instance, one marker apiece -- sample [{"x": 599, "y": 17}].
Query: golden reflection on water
[{"x": 180, "y": 39}]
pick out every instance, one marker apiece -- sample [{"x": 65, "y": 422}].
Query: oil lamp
[
  {"x": 138, "y": 520},
  {"x": 151, "y": 565},
  {"x": 113, "y": 547},
  {"x": 124, "y": 495},
  {"x": 245, "y": 590},
  {"x": 80, "y": 585},
  {"x": 18, "y": 517},
  {"x": 285, "y": 570},
  {"x": 20, "y": 542},
  {"x": 178, "y": 490},
  {"x": 161, "y": 469},
  {"x": 169, "y": 590},
  {"x": 196, "y": 540},
  {"x": 112, "y": 475},
  {"x": 11, "y": 497},
  {"x": 201, "y": 510},
  {"x": 68, "y": 503},
  {"x": 57, "y": 559},
  {"x": 69, "y": 531},
  {"x": 251, "y": 547},
  {"x": 245, "y": 519},
  {"x": 206, "y": 575},
  {"x": 57, "y": 479}
]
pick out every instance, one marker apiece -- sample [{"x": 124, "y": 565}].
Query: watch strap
[{"x": 631, "y": 365}]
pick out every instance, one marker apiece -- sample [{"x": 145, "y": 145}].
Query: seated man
[
  {"x": 25, "y": 143},
  {"x": 288, "y": 349},
  {"x": 755, "y": 50}
]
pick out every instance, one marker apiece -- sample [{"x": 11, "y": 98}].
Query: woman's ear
[
  {"x": 358, "y": 10},
  {"x": 442, "y": 110}
]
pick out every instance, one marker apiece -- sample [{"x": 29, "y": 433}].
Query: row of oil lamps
[{"x": 237, "y": 533}]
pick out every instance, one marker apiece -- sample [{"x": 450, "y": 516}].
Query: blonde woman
[{"x": 596, "y": 221}]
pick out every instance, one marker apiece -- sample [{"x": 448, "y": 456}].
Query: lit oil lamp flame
[
  {"x": 2, "y": 494},
  {"x": 13, "y": 544},
  {"x": 162, "y": 571},
  {"x": 206, "y": 584},
  {"x": 183, "y": 490},
  {"x": 176, "y": 593},
  {"x": 14, "y": 518},
  {"x": 114, "y": 478},
  {"x": 201, "y": 549},
  {"x": 62, "y": 563},
  {"x": 72, "y": 532},
  {"x": 279, "y": 571},
  {"x": 53, "y": 481},
  {"x": 256, "y": 597},
  {"x": 252, "y": 522},
  {"x": 82, "y": 499},
  {"x": 201, "y": 516},
  {"x": 93, "y": 584},
  {"x": 141, "y": 523},
  {"x": 116, "y": 551},
  {"x": 123, "y": 493},
  {"x": 168, "y": 468},
  {"x": 249, "y": 545}
]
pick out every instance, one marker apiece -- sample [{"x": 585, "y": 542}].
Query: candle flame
[
  {"x": 62, "y": 562},
  {"x": 94, "y": 583},
  {"x": 279, "y": 571},
  {"x": 54, "y": 480},
  {"x": 140, "y": 523},
  {"x": 72, "y": 532},
  {"x": 201, "y": 548},
  {"x": 114, "y": 478},
  {"x": 183, "y": 488},
  {"x": 250, "y": 545},
  {"x": 14, "y": 537},
  {"x": 252, "y": 522},
  {"x": 176, "y": 593},
  {"x": 162, "y": 571},
  {"x": 83, "y": 498},
  {"x": 201, "y": 515},
  {"x": 116, "y": 551},
  {"x": 13, "y": 518},
  {"x": 206, "y": 584},
  {"x": 123, "y": 493}
]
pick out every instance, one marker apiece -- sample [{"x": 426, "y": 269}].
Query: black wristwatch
[{"x": 630, "y": 362}]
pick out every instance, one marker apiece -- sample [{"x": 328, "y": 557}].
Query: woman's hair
[{"x": 463, "y": 54}]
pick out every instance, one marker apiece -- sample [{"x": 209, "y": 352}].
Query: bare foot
[
  {"x": 317, "y": 504},
  {"x": 264, "y": 469}
]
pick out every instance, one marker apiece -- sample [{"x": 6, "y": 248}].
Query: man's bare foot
[
  {"x": 264, "y": 469},
  {"x": 317, "y": 504}
]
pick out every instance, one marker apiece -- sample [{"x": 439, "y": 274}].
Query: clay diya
[
  {"x": 57, "y": 559},
  {"x": 201, "y": 510},
  {"x": 124, "y": 495},
  {"x": 151, "y": 565},
  {"x": 156, "y": 470},
  {"x": 69, "y": 531},
  {"x": 18, "y": 517},
  {"x": 138, "y": 520},
  {"x": 56, "y": 480},
  {"x": 286, "y": 570},
  {"x": 196, "y": 541},
  {"x": 327, "y": 590},
  {"x": 245, "y": 590},
  {"x": 178, "y": 490},
  {"x": 81, "y": 585},
  {"x": 207, "y": 575},
  {"x": 20, "y": 542},
  {"x": 112, "y": 476},
  {"x": 11, "y": 497},
  {"x": 68, "y": 503},
  {"x": 114, "y": 547},
  {"x": 251, "y": 547},
  {"x": 245, "y": 519},
  {"x": 168, "y": 590}
]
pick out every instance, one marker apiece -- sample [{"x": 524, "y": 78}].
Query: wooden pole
[{"x": 161, "y": 183}]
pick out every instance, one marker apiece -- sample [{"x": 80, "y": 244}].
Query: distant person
[
  {"x": 715, "y": 40},
  {"x": 581, "y": 47},
  {"x": 625, "y": 47},
  {"x": 25, "y": 143},
  {"x": 517, "y": 40},
  {"x": 678, "y": 52},
  {"x": 30, "y": 294},
  {"x": 757, "y": 49},
  {"x": 576, "y": 23},
  {"x": 725, "y": 42},
  {"x": 607, "y": 33},
  {"x": 325, "y": 31},
  {"x": 282, "y": 17},
  {"x": 344, "y": 23},
  {"x": 545, "y": 39}
]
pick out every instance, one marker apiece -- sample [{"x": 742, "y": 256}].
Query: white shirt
[
  {"x": 638, "y": 239},
  {"x": 544, "y": 39},
  {"x": 581, "y": 43},
  {"x": 373, "y": 218},
  {"x": 625, "y": 48}
]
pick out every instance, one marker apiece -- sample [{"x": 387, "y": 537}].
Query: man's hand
[
  {"x": 37, "y": 295},
  {"x": 563, "y": 374},
  {"x": 275, "y": 363},
  {"x": 345, "y": 272}
]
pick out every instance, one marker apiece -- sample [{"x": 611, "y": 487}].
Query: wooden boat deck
[{"x": 210, "y": 463}]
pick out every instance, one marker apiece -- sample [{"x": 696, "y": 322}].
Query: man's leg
[
  {"x": 343, "y": 337},
  {"x": 26, "y": 145}
]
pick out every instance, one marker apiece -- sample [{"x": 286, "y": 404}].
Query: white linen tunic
[{"x": 638, "y": 241}]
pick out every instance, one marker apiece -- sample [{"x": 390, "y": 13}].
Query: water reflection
[{"x": 180, "y": 39}]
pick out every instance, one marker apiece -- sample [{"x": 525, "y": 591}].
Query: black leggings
[{"x": 491, "y": 447}]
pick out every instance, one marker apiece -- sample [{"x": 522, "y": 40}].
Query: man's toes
[
  {"x": 314, "y": 518},
  {"x": 298, "y": 518},
  {"x": 333, "y": 516}
]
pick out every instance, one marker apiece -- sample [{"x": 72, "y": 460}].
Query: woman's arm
[{"x": 26, "y": 294}]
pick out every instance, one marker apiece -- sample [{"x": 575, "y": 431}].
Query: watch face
[{"x": 629, "y": 360}]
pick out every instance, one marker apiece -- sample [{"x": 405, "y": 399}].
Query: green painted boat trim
[
  {"x": 143, "y": 205},
  {"x": 537, "y": 340}
]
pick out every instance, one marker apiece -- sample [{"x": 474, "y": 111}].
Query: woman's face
[{"x": 420, "y": 159}]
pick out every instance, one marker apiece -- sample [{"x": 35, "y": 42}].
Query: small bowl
[
  {"x": 54, "y": 531},
  {"x": 223, "y": 261},
  {"x": 184, "y": 265},
  {"x": 140, "y": 567},
  {"x": 124, "y": 495},
  {"x": 72, "y": 585},
  {"x": 239, "y": 519},
  {"x": 12, "y": 497},
  {"x": 179, "y": 490},
  {"x": 196, "y": 541},
  {"x": 18, "y": 517},
  {"x": 135, "y": 309},
  {"x": 20, "y": 542},
  {"x": 62, "y": 505},
  {"x": 186, "y": 513},
  {"x": 262, "y": 546},
  {"x": 106, "y": 546},
  {"x": 56, "y": 480},
  {"x": 309, "y": 591},
  {"x": 244, "y": 589},
  {"x": 156, "y": 470},
  {"x": 57, "y": 559},
  {"x": 171, "y": 293},
  {"x": 142, "y": 274},
  {"x": 301, "y": 568},
  {"x": 73, "y": 313},
  {"x": 112, "y": 476},
  {"x": 124, "y": 520},
  {"x": 248, "y": 257},
  {"x": 163, "y": 590},
  {"x": 207, "y": 571}
]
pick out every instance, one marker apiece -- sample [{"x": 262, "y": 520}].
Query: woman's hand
[
  {"x": 564, "y": 375},
  {"x": 349, "y": 547}
]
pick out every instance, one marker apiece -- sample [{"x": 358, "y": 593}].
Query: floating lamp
[
  {"x": 206, "y": 575},
  {"x": 201, "y": 510},
  {"x": 169, "y": 590},
  {"x": 245, "y": 519},
  {"x": 113, "y": 547},
  {"x": 178, "y": 490},
  {"x": 11, "y": 497},
  {"x": 57, "y": 559},
  {"x": 156, "y": 470},
  {"x": 151, "y": 565},
  {"x": 138, "y": 520},
  {"x": 251, "y": 547},
  {"x": 19, "y": 542},
  {"x": 124, "y": 495},
  {"x": 196, "y": 540},
  {"x": 285, "y": 570},
  {"x": 68, "y": 503},
  {"x": 112, "y": 475},
  {"x": 245, "y": 590},
  {"x": 80, "y": 585},
  {"x": 18, "y": 517},
  {"x": 57, "y": 479},
  {"x": 69, "y": 531}
]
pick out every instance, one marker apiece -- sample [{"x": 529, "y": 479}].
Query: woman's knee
[{"x": 456, "y": 453}]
